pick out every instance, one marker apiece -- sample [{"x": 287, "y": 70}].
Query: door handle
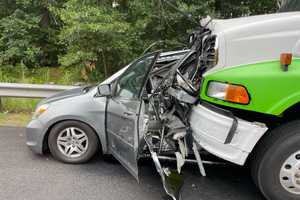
[{"x": 128, "y": 113}]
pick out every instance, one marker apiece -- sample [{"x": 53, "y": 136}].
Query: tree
[
  {"x": 94, "y": 32},
  {"x": 237, "y": 8},
  {"x": 100, "y": 36},
  {"x": 19, "y": 33},
  {"x": 28, "y": 33}
]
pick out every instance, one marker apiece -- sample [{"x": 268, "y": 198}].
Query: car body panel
[
  {"x": 122, "y": 130},
  {"x": 35, "y": 133},
  {"x": 84, "y": 107},
  {"x": 123, "y": 111},
  {"x": 271, "y": 90}
]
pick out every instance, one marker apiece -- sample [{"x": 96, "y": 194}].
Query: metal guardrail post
[{"x": 1, "y": 105}]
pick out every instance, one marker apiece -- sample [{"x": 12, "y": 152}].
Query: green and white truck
[{"x": 250, "y": 99}]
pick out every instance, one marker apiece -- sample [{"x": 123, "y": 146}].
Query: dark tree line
[{"x": 102, "y": 34}]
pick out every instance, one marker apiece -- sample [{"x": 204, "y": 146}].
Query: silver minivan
[{"x": 112, "y": 117}]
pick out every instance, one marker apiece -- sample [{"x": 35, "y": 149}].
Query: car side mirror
[{"x": 104, "y": 90}]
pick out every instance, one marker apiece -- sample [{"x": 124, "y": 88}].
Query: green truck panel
[{"x": 271, "y": 89}]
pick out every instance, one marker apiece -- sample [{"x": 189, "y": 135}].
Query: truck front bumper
[{"x": 223, "y": 135}]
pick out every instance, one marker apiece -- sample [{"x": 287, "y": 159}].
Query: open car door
[{"x": 124, "y": 109}]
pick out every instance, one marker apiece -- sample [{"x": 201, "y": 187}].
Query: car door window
[{"x": 131, "y": 82}]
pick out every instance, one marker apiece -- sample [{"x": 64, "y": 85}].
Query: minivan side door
[{"x": 123, "y": 111}]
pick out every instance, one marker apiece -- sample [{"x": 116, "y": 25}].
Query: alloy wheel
[{"x": 72, "y": 142}]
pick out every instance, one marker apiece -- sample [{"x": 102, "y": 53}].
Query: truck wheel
[
  {"x": 72, "y": 142},
  {"x": 276, "y": 163}
]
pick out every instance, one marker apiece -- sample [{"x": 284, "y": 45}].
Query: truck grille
[{"x": 209, "y": 54}]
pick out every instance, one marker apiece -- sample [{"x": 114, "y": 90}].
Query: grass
[
  {"x": 14, "y": 119},
  {"x": 43, "y": 75},
  {"x": 18, "y": 111},
  {"x": 18, "y": 105}
]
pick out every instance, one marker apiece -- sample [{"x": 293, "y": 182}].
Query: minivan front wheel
[
  {"x": 276, "y": 163},
  {"x": 72, "y": 142}
]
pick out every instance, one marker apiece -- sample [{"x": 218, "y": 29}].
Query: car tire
[
  {"x": 275, "y": 165},
  {"x": 73, "y": 142}
]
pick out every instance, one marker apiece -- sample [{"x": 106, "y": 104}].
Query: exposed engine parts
[{"x": 172, "y": 91}]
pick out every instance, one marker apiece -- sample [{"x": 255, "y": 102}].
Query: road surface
[{"x": 26, "y": 176}]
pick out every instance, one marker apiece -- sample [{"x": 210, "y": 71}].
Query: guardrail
[{"x": 31, "y": 90}]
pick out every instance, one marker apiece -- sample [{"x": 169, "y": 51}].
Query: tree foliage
[
  {"x": 93, "y": 33},
  {"x": 102, "y": 35},
  {"x": 28, "y": 33},
  {"x": 237, "y": 8}
]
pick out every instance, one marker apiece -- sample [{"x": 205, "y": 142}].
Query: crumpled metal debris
[
  {"x": 174, "y": 90},
  {"x": 172, "y": 180}
]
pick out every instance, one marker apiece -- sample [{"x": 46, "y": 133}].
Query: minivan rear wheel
[
  {"x": 72, "y": 142},
  {"x": 276, "y": 163}
]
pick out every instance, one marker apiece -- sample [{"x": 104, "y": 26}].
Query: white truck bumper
[{"x": 220, "y": 133}]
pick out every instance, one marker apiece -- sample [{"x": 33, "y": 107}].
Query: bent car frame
[{"x": 233, "y": 93}]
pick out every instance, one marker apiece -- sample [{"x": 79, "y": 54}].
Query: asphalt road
[{"x": 26, "y": 176}]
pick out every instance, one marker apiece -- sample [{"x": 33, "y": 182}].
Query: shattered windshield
[{"x": 290, "y": 6}]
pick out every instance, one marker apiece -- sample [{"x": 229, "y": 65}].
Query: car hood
[{"x": 68, "y": 94}]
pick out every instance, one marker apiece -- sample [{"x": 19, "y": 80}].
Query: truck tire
[
  {"x": 72, "y": 142},
  {"x": 275, "y": 164}
]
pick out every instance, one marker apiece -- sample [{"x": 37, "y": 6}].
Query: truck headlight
[
  {"x": 40, "y": 110},
  {"x": 228, "y": 92}
]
